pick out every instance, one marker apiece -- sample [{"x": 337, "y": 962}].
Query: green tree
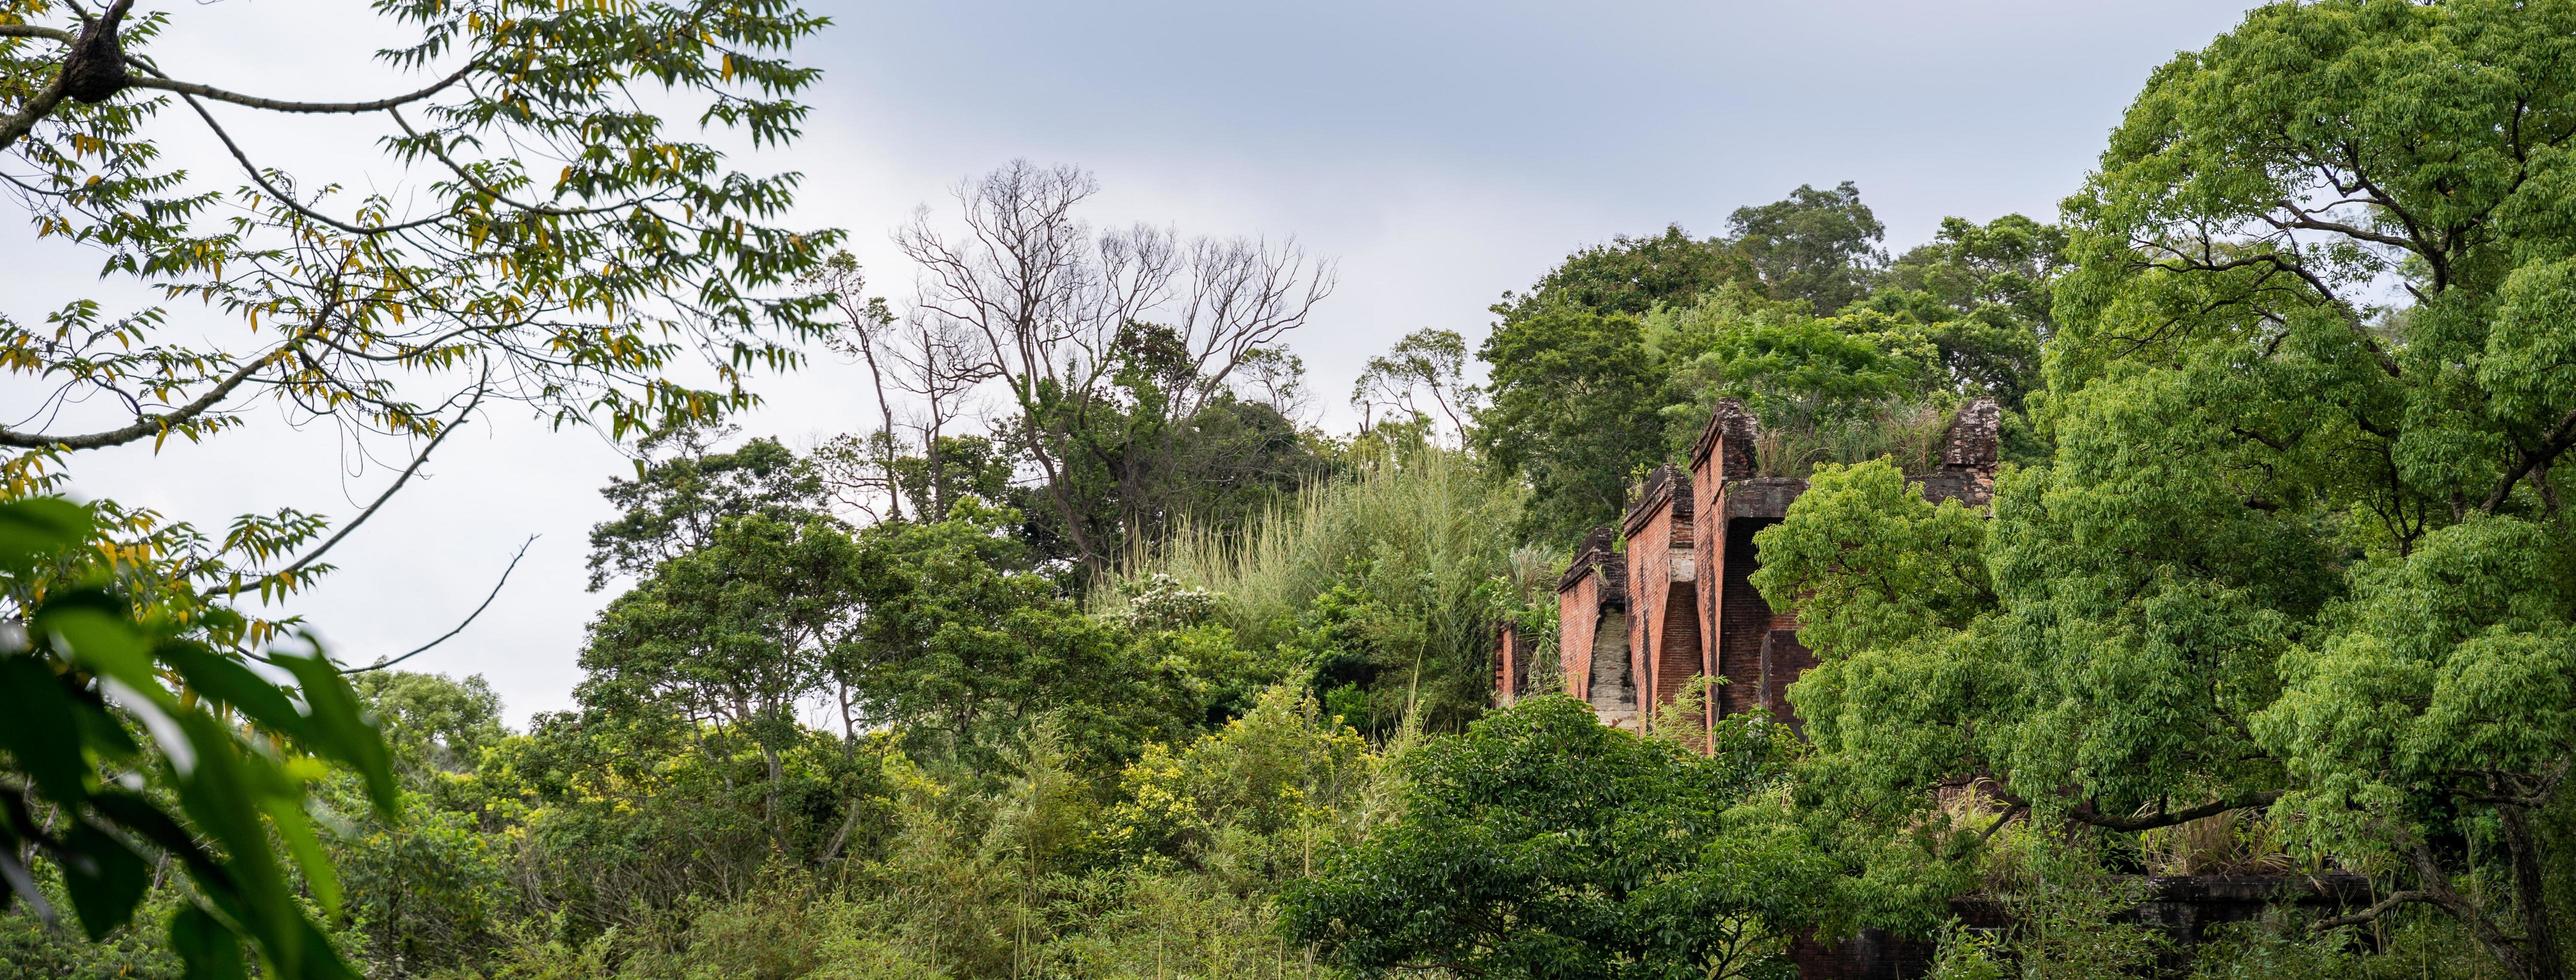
[
  {"x": 1610, "y": 365},
  {"x": 2447, "y": 679},
  {"x": 554, "y": 245},
  {"x": 965, "y": 644},
  {"x": 684, "y": 489},
  {"x": 628, "y": 821},
  {"x": 593, "y": 286},
  {"x": 2280, "y": 180},
  {"x": 428, "y": 892},
  {"x": 957, "y": 467},
  {"x": 1104, "y": 346},
  {"x": 2299, "y": 547},
  {"x": 1819, "y": 246},
  {"x": 731, "y": 637},
  {"x": 1426, "y": 364},
  {"x": 1576, "y": 410},
  {"x": 1139, "y": 462},
  {"x": 1796, "y": 372},
  {"x": 1256, "y": 801},
  {"x": 1983, "y": 293},
  {"x": 432, "y": 725},
  {"x": 1574, "y": 392},
  {"x": 1635, "y": 275},
  {"x": 1544, "y": 843}
]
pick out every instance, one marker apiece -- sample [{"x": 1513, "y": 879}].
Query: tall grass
[
  {"x": 1907, "y": 431},
  {"x": 1422, "y": 543}
]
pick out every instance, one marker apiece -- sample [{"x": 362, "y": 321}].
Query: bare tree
[
  {"x": 863, "y": 463},
  {"x": 938, "y": 367},
  {"x": 1047, "y": 302}
]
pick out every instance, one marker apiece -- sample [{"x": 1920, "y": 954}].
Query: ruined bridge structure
[{"x": 1635, "y": 625}]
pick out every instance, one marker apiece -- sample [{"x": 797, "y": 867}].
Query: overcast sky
[{"x": 1441, "y": 153}]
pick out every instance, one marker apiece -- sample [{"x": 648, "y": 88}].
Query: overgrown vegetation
[
  {"x": 1085, "y": 656},
  {"x": 1387, "y": 586}
]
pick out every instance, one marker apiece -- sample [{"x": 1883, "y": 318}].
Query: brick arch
[
  {"x": 1677, "y": 651},
  {"x": 1612, "y": 690}
]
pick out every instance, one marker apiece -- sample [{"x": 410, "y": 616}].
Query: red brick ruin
[{"x": 1635, "y": 624}]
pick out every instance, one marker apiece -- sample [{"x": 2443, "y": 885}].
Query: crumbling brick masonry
[{"x": 1635, "y": 624}]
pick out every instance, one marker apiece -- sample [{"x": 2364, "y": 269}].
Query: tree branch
[
  {"x": 37, "y": 108},
  {"x": 156, "y": 80},
  {"x": 150, "y": 425},
  {"x": 2087, "y": 814},
  {"x": 408, "y": 472},
  {"x": 2380, "y": 908},
  {"x": 460, "y": 627},
  {"x": 2560, "y": 439}
]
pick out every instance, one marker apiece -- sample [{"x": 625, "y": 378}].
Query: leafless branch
[{"x": 459, "y": 627}]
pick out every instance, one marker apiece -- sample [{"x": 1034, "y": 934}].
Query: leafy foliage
[
  {"x": 84, "y": 793},
  {"x": 1820, "y": 247},
  {"x": 2298, "y": 547},
  {"x": 1144, "y": 676},
  {"x": 1544, "y": 843},
  {"x": 1612, "y": 363},
  {"x": 1383, "y": 587},
  {"x": 631, "y": 289},
  {"x": 684, "y": 490}
]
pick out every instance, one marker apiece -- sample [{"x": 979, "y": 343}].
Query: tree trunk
[
  {"x": 2541, "y": 959},
  {"x": 769, "y": 800}
]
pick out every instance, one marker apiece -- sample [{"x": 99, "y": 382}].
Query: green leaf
[
  {"x": 340, "y": 727},
  {"x": 37, "y": 528},
  {"x": 231, "y": 683},
  {"x": 208, "y": 949},
  {"x": 295, "y": 827},
  {"x": 93, "y": 627},
  {"x": 137, "y": 815},
  {"x": 38, "y": 713},
  {"x": 105, "y": 878},
  {"x": 220, "y": 791}
]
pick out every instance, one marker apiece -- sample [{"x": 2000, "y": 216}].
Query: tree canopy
[
  {"x": 2298, "y": 547},
  {"x": 1087, "y": 647}
]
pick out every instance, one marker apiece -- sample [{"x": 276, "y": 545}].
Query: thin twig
[{"x": 460, "y": 627}]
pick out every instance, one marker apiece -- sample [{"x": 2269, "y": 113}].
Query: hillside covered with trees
[{"x": 1090, "y": 652}]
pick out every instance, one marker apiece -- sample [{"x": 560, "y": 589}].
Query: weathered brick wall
[
  {"x": 1578, "y": 613},
  {"x": 1649, "y": 567},
  {"x": 1646, "y": 599},
  {"x": 1661, "y": 606},
  {"x": 1743, "y": 621},
  {"x": 1695, "y": 611},
  {"x": 1724, "y": 452},
  {"x": 1592, "y": 631},
  {"x": 1783, "y": 660},
  {"x": 1677, "y": 644},
  {"x": 1511, "y": 664}
]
